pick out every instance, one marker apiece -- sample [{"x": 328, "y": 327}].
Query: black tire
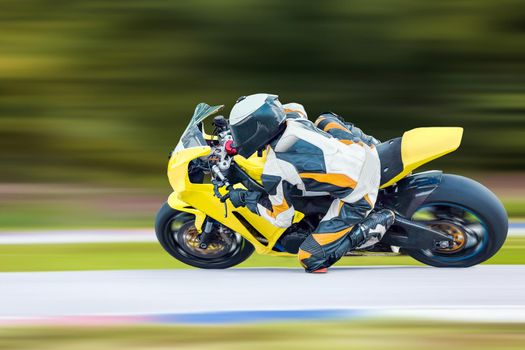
[
  {"x": 170, "y": 224},
  {"x": 462, "y": 192}
]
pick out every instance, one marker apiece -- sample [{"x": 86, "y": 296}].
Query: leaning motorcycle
[{"x": 442, "y": 220}]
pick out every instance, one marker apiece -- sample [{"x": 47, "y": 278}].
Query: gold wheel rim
[
  {"x": 191, "y": 238},
  {"x": 457, "y": 234}
]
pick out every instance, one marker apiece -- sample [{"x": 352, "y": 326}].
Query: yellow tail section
[{"x": 421, "y": 145}]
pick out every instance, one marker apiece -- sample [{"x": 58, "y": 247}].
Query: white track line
[{"x": 77, "y": 236}]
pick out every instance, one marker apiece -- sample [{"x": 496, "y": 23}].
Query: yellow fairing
[
  {"x": 253, "y": 166},
  {"x": 421, "y": 145},
  {"x": 196, "y": 198}
]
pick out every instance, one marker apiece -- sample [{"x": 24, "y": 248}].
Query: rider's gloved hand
[
  {"x": 244, "y": 198},
  {"x": 238, "y": 197}
]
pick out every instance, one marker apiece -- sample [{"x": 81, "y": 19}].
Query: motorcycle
[{"x": 442, "y": 220}]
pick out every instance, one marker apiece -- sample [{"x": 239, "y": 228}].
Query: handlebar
[{"x": 218, "y": 173}]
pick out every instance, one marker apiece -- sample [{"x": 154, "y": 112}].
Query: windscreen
[{"x": 193, "y": 135}]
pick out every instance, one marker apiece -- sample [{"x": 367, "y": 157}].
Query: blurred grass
[
  {"x": 78, "y": 215},
  {"x": 362, "y": 335},
  {"x": 110, "y": 256},
  {"x": 32, "y": 215},
  {"x": 50, "y": 206},
  {"x": 515, "y": 207}
]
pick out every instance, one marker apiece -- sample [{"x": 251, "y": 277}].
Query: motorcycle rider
[{"x": 328, "y": 157}]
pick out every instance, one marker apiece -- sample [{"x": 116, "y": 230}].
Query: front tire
[
  {"x": 468, "y": 211},
  {"x": 178, "y": 236}
]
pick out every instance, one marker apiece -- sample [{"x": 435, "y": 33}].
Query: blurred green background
[{"x": 94, "y": 94}]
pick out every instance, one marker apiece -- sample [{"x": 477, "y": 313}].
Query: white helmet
[{"x": 254, "y": 121}]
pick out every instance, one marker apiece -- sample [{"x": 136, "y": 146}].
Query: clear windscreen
[{"x": 193, "y": 135}]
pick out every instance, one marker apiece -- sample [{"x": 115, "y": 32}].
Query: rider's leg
[
  {"x": 334, "y": 126},
  {"x": 328, "y": 243},
  {"x": 347, "y": 133},
  {"x": 343, "y": 228}
]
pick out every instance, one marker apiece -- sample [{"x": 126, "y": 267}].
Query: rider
[{"x": 328, "y": 157}]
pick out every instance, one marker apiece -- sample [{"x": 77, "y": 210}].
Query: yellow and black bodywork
[{"x": 399, "y": 157}]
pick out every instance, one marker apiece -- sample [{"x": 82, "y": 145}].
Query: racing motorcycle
[{"x": 442, "y": 220}]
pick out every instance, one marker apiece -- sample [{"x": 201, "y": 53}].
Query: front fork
[
  {"x": 206, "y": 234},
  {"x": 203, "y": 223}
]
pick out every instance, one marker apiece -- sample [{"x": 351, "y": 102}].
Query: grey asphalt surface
[{"x": 139, "y": 292}]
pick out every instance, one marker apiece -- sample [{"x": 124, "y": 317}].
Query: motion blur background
[{"x": 94, "y": 94}]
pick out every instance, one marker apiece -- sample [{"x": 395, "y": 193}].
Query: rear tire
[
  {"x": 461, "y": 193},
  {"x": 173, "y": 228}
]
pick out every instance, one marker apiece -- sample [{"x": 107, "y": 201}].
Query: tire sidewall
[
  {"x": 466, "y": 193},
  {"x": 167, "y": 215}
]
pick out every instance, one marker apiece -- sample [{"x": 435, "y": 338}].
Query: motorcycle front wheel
[
  {"x": 179, "y": 237},
  {"x": 469, "y": 213}
]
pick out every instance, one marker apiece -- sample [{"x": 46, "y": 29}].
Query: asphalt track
[{"x": 495, "y": 292}]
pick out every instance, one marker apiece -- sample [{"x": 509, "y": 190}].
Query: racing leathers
[{"x": 325, "y": 158}]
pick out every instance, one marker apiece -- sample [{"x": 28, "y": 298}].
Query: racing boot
[{"x": 371, "y": 229}]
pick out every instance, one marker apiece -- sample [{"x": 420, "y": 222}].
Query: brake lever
[
  {"x": 216, "y": 186},
  {"x": 224, "y": 198},
  {"x": 216, "y": 189}
]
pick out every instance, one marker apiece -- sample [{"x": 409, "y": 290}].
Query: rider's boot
[{"x": 371, "y": 229}]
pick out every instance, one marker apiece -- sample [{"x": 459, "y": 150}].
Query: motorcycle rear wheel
[
  {"x": 178, "y": 236},
  {"x": 468, "y": 212}
]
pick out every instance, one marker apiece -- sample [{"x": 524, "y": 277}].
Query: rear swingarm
[{"x": 414, "y": 235}]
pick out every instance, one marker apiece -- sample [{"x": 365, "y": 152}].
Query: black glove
[
  {"x": 244, "y": 198},
  {"x": 361, "y": 136},
  {"x": 238, "y": 197}
]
